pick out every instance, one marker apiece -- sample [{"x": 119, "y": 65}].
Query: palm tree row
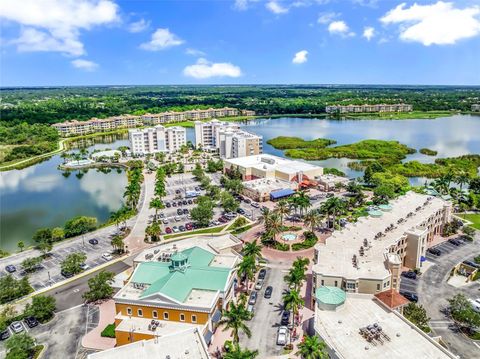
[
  {"x": 133, "y": 189},
  {"x": 332, "y": 207}
]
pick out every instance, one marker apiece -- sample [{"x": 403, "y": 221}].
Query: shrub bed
[
  {"x": 310, "y": 239},
  {"x": 109, "y": 331}
]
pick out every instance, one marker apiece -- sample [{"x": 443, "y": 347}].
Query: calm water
[{"x": 40, "y": 196}]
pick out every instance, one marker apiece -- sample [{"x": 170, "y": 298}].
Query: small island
[
  {"x": 428, "y": 152},
  {"x": 288, "y": 143}
]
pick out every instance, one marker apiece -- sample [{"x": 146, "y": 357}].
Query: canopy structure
[{"x": 282, "y": 193}]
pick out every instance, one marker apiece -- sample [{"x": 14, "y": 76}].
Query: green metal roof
[
  {"x": 385, "y": 207},
  {"x": 330, "y": 295},
  {"x": 177, "y": 284}
]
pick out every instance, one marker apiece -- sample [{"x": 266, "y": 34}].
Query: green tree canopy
[
  {"x": 42, "y": 307},
  {"x": 99, "y": 287},
  {"x": 72, "y": 263}
]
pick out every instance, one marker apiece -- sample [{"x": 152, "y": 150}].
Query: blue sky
[{"x": 104, "y": 42}]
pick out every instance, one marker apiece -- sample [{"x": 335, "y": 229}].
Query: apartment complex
[
  {"x": 476, "y": 108},
  {"x": 157, "y": 139},
  {"x": 368, "y": 256},
  {"x": 177, "y": 287},
  {"x": 273, "y": 167},
  {"x": 399, "y": 107},
  {"x": 76, "y": 128},
  {"x": 360, "y": 326},
  {"x": 227, "y": 138}
]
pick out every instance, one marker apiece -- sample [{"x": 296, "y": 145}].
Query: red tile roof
[{"x": 392, "y": 298}]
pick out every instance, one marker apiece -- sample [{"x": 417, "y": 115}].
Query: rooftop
[
  {"x": 330, "y": 295},
  {"x": 340, "y": 329},
  {"x": 188, "y": 344},
  {"x": 266, "y": 162},
  {"x": 266, "y": 184},
  {"x": 335, "y": 256},
  {"x": 392, "y": 299}
]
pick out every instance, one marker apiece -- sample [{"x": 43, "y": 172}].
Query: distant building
[
  {"x": 476, "y": 108},
  {"x": 227, "y": 138},
  {"x": 260, "y": 189},
  {"x": 399, "y": 107},
  {"x": 157, "y": 139}
]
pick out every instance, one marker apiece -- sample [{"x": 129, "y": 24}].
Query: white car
[
  {"x": 107, "y": 256},
  {"x": 282, "y": 336},
  {"x": 259, "y": 284},
  {"x": 251, "y": 309},
  {"x": 84, "y": 266},
  {"x": 475, "y": 304}
]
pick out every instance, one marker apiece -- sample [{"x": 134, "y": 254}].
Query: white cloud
[
  {"x": 241, "y": 4},
  {"x": 341, "y": 28},
  {"x": 436, "y": 24},
  {"x": 300, "y": 57},
  {"x": 84, "y": 65},
  {"x": 276, "y": 8},
  {"x": 326, "y": 17},
  {"x": 204, "y": 69},
  {"x": 139, "y": 26},
  {"x": 194, "y": 52},
  {"x": 162, "y": 39},
  {"x": 55, "y": 25},
  {"x": 368, "y": 32}
]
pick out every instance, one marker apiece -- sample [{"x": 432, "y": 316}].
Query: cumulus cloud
[
  {"x": 300, "y": 57},
  {"x": 194, "y": 52},
  {"x": 55, "y": 25},
  {"x": 436, "y": 24},
  {"x": 85, "y": 65},
  {"x": 138, "y": 26},
  {"x": 368, "y": 32},
  {"x": 326, "y": 17},
  {"x": 276, "y": 7},
  {"x": 162, "y": 39},
  {"x": 204, "y": 69},
  {"x": 341, "y": 28}
]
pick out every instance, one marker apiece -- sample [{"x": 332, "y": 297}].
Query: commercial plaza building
[
  {"x": 399, "y": 107},
  {"x": 360, "y": 326},
  {"x": 368, "y": 256},
  {"x": 227, "y": 138},
  {"x": 157, "y": 139},
  {"x": 176, "y": 287}
]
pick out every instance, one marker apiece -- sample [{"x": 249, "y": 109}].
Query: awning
[
  {"x": 216, "y": 316},
  {"x": 281, "y": 193},
  {"x": 208, "y": 337}
]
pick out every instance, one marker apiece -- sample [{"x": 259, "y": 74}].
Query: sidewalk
[{"x": 93, "y": 339}]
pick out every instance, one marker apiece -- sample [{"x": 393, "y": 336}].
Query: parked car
[
  {"x": 268, "y": 292},
  {"x": 471, "y": 264},
  {"x": 177, "y": 219},
  {"x": 5, "y": 335},
  {"x": 84, "y": 266},
  {"x": 178, "y": 191},
  {"x": 66, "y": 274},
  {"x": 282, "y": 335},
  {"x": 454, "y": 241},
  {"x": 247, "y": 201},
  {"x": 181, "y": 228},
  {"x": 330, "y": 194},
  {"x": 253, "y": 298},
  {"x": 31, "y": 322},
  {"x": 10, "y": 268},
  {"x": 17, "y": 327},
  {"x": 409, "y": 274},
  {"x": 190, "y": 201},
  {"x": 412, "y": 297},
  {"x": 179, "y": 203},
  {"x": 255, "y": 205},
  {"x": 165, "y": 221},
  {"x": 475, "y": 304},
  {"x": 168, "y": 205},
  {"x": 184, "y": 202},
  {"x": 259, "y": 284},
  {"x": 262, "y": 273},
  {"x": 93, "y": 241},
  {"x": 175, "y": 229},
  {"x": 179, "y": 211},
  {"x": 285, "y": 317},
  {"x": 435, "y": 251},
  {"x": 251, "y": 310},
  {"x": 189, "y": 226},
  {"x": 174, "y": 204},
  {"x": 168, "y": 230},
  {"x": 107, "y": 256},
  {"x": 197, "y": 188},
  {"x": 241, "y": 211},
  {"x": 185, "y": 211},
  {"x": 222, "y": 220}
]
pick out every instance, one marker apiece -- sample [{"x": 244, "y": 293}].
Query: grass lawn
[
  {"x": 200, "y": 231},
  {"x": 474, "y": 218}
]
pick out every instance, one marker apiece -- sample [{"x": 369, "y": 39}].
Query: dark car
[
  {"x": 471, "y": 264},
  {"x": 179, "y": 203},
  {"x": 185, "y": 202},
  {"x": 268, "y": 292},
  {"x": 190, "y": 201},
  {"x": 5, "y": 335},
  {"x": 285, "y": 317},
  {"x": 174, "y": 204},
  {"x": 248, "y": 201},
  {"x": 409, "y": 274},
  {"x": 93, "y": 241},
  {"x": 253, "y": 298},
  {"x": 182, "y": 229},
  {"x": 185, "y": 211},
  {"x": 197, "y": 188},
  {"x": 241, "y": 211},
  {"x": 412, "y": 297},
  {"x": 330, "y": 194},
  {"x": 31, "y": 322},
  {"x": 66, "y": 274},
  {"x": 222, "y": 220},
  {"x": 455, "y": 242},
  {"x": 262, "y": 273},
  {"x": 435, "y": 251},
  {"x": 179, "y": 211},
  {"x": 168, "y": 205},
  {"x": 10, "y": 268}
]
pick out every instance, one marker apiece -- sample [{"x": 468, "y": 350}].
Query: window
[
  {"x": 336, "y": 283},
  {"x": 129, "y": 311},
  {"x": 140, "y": 312},
  {"x": 155, "y": 314},
  {"x": 194, "y": 318},
  {"x": 323, "y": 282},
  {"x": 378, "y": 286},
  {"x": 350, "y": 286},
  {"x": 165, "y": 315},
  {"x": 182, "y": 317}
]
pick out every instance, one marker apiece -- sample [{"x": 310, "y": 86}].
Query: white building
[{"x": 157, "y": 139}]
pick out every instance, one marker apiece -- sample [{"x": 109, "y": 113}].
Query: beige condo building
[{"x": 399, "y": 107}]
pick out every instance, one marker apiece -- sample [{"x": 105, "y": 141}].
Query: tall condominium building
[
  {"x": 157, "y": 139},
  {"x": 368, "y": 256},
  {"x": 227, "y": 138},
  {"x": 399, "y": 107}
]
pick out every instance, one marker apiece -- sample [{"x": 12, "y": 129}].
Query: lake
[{"x": 41, "y": 196}]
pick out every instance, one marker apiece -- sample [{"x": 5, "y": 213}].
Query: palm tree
[
  {"x": 275, "y": 225},
  {"x": 116, "y": 217},
  {"x": 301, "y": 263},
  {"x": 293, "y": 302},
  {"x": 312, "y": 348},
  {"x": 283, "y": 209},
  {"x": 246, "y": 269},
  {"x": 266, "y": 216},
  {"x": 236, "y": 352},
  {"x": 462, "y": 179},
  {"x": 333, "y": 206},
  {"x": 234, "y": 318},
  {"x": 117, "y": 243},
  {"x": 157, "y": 204},
  {"x": 252, "y": 249},
  {"x": 302, "y": 200},
  {"x": 312, "y": 219},
  {"x": 295, "y": 278}
]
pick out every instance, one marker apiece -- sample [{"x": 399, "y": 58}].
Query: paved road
[
  {"x": 434, "y": 291},
  {"x": 268, "y": 312}
]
